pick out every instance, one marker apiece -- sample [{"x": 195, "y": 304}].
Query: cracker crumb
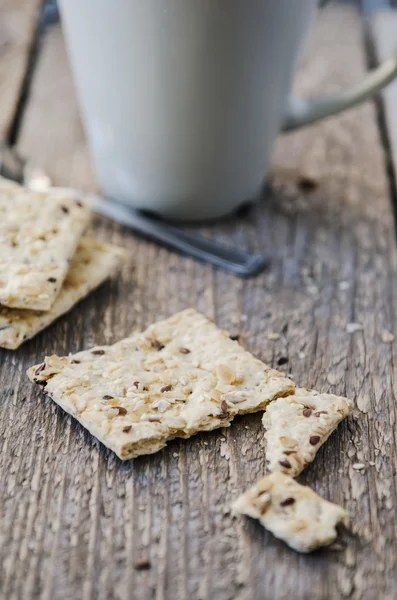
[
  {"x": 358, "y": 466},
  {"x": 371, "y": 463},
  {"x": 273, "y": 335},
  {"x": 387, "y": 337},
  {"x": 353, "y": 327}
]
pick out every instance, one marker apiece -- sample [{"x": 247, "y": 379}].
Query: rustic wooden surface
[
  {"x": 18, "y": 24},
  {"x": 74, "y": 519}
]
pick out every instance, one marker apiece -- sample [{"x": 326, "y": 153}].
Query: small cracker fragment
[
  {"x": 92, "y": 263},
  {"x": 39, "y": 232},
  {"x": 292, "y": 512},
  {"x": 353, "y": 327},
  {"x": 298, "y": 425},
  {"x": 387, "y": 337},
  {"x": 180, "y": 376}
]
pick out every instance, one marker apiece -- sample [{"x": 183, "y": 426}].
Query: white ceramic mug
[{"x": 182, "y": 99}]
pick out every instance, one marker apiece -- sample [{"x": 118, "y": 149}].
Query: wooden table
[{"x": 75, "y": 520}]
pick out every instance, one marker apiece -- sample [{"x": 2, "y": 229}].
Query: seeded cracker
[
  {"x": 297, "y": 426},
  {"x": 92, "y": 263},
  {"x": 179, "y": 377},
  {"x": 292, "y": 512},
  {"x": 39, "y": 233}
]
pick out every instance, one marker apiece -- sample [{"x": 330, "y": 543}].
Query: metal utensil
[{"x": 227, "y": 258}]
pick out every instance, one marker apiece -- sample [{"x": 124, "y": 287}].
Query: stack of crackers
[
  {"x": 45, "y": 265},
  {"x": 183, "y": 376}
]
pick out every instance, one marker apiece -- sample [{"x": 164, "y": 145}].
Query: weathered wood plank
[
  {"x": 383, "y": 29},
  {"x": 18, "y": 23},
  {"x": 76, "y": 520},
  {"x": 64, "y": 154}
]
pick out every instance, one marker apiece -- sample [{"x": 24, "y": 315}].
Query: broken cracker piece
[
  {"x": 39, "y": 232},
  {"x": 180, "y": 376},
  {"x": 92, "y": 263},
  {"x": 292, "y": 512},
  {"x": 298, "y": 425}
]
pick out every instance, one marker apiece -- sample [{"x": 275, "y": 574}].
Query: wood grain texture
[
  {"x": 18, "y": 23},
  {"x": 51, "y": 132},
  {"x": 75, "y": 520},
  {"x": 383, "y": 27}
]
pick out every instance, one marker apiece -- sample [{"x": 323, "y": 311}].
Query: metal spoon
[{"x": 229, "y": 259}]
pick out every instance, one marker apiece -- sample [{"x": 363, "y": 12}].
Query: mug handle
[{"x": 302, "y": 112}]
